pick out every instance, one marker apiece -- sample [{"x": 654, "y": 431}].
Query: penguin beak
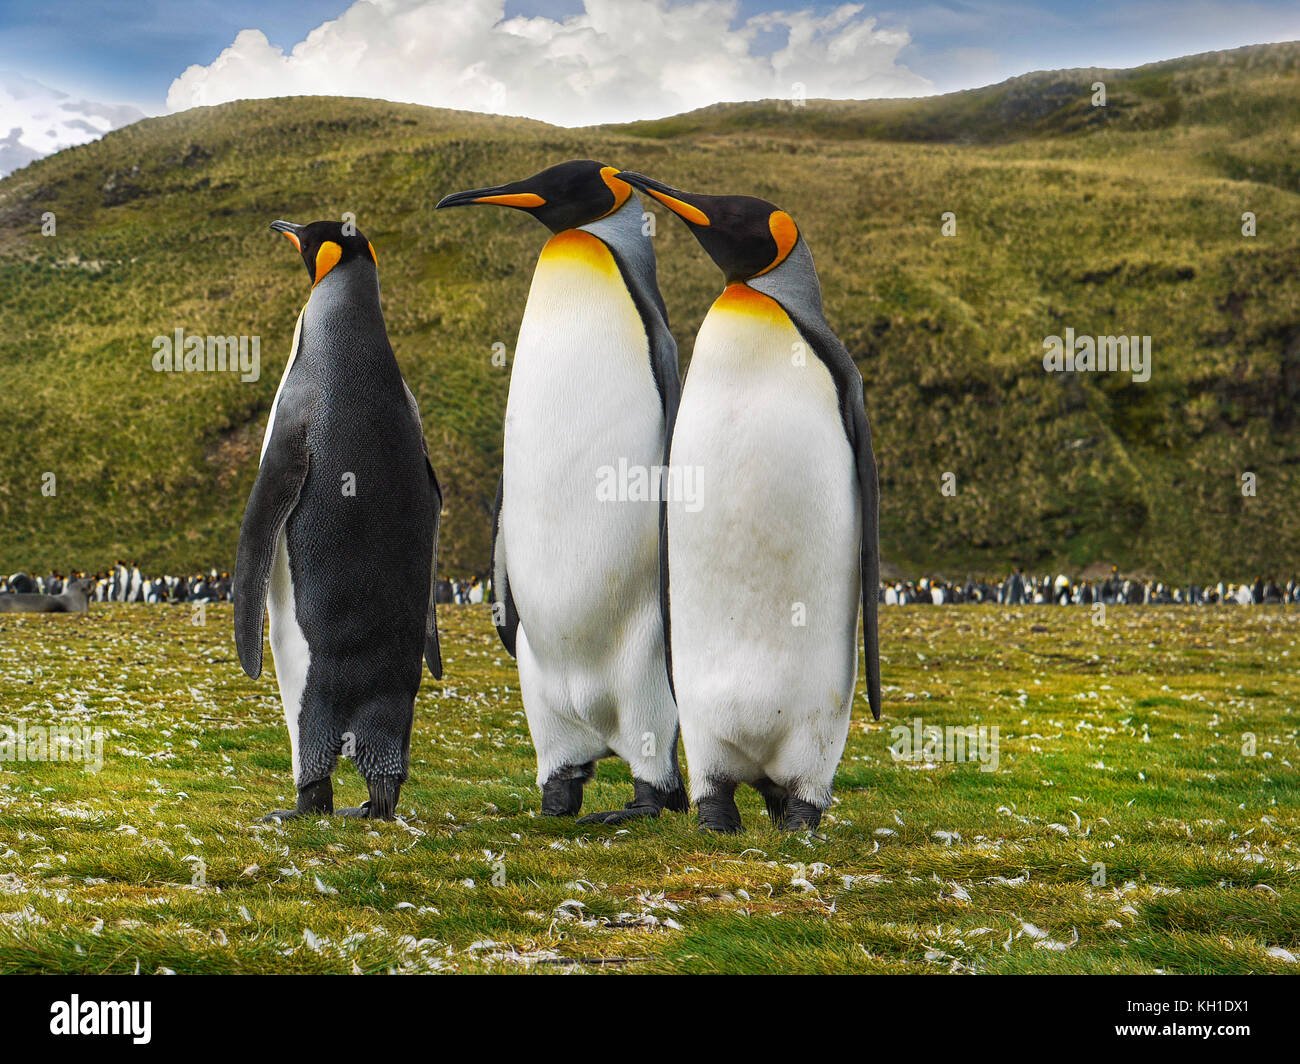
[
  {"x": 290, "y": 230},
  {"x": 498, "y": 195},
  {"x": 674, "y": 199}
]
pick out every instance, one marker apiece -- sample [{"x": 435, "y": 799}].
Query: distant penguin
[
  {"x": 342, "y": 530},
  {"x": 594, "y": 388},
  {"x": 765, "y": 578}
]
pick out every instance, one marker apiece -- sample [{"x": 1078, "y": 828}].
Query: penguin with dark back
[{"x": 341, "y": 535}]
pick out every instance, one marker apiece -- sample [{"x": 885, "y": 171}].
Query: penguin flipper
[
  {"x": 869, "y": 484},
  {"x": 641, "y": 278},
  {"x": 504, "y": 615},
  {"x": 665, "y": 614},
  {"x": 663, "y": 361},
  {"x": 432, "y": 649},
  {"x": 275, "y": 494},
  {"x": 848, "y": 383}
]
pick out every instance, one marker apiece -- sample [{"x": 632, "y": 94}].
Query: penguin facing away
[
  {"x": 340, "y": 536},
  {"x": 594, "y": 388},
  {"x": 765, "y": 579}
]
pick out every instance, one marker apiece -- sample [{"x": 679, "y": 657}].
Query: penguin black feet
[
  {"x": 647, "y": 800},
  {"x": 776, "y": 798},
  {"x": 562, "y": 793},
  {"x": 315, "y": 797},
  {"x": 786, "y": 811},
  {"x": 718, "y": 810},
  {"x": 800, "y": 816},
  {"x": 677, "y": 800},
  {"x": 382, "y": 804}
]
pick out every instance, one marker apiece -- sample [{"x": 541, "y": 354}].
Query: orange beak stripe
[
  {"x": 681, "y": 209},
  {"x": 515, "y": 199},
  {"x": 296, "y": 242}
]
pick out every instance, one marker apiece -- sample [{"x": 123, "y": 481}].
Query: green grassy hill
[{"x": 1122, "y": 219}]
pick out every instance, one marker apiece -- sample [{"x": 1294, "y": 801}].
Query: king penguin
[
  {"x": 342, "y": 530},
  {"x": 766, "y": 572},
  {"x": 594, "y": 389}
]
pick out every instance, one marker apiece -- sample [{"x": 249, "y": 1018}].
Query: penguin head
[
  {"x": 323, "y": 245},
  {"x": 561, "y": 197},
  {"x": 744, "y": 235}
]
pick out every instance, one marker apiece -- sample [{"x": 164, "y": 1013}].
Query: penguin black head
[
  {"x": 561, "y": 197},
  {"x": 744, "y": 235},
  {"x": 323, "y": 245}
]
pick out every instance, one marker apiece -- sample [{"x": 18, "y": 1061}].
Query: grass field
[{"x": 1125, "y": 751}]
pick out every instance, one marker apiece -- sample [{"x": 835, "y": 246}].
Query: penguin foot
[
  {"x": 315, "y": 797},
  {"x": 647, "y": 800},
  {"x": 786, "y": 811},
  {"x": 718, "y": 810},
  {"x": 677, "y": 800},
  {"x": 280, "y": 814},
  {"x": 561, "y": 797},
  {"x": 382, "y": 803},
  {"x": 799, "y": 816},
  {"x": 617, "y": 816},
  {"x": 562, "y": 793},
  {"x": 776, "y": 798}
]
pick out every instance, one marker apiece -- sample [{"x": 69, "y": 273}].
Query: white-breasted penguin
[
  {"x": 594, "y": 388},
  {"x": 766, "y": 576},
  {"x": 342, "y": 530}
]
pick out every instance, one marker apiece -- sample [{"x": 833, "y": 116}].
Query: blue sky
[{"x": 131, "y": 50}]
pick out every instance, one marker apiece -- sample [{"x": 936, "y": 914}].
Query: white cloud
[
  {"x": 36, "y": 120},
  {"x": 617, "y": 61}
]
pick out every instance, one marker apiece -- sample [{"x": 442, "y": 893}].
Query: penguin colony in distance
[
  {"x": 340, "y": 535},
  {"x": 594, "y": 382},
  {"x": 739, "y": 609}
]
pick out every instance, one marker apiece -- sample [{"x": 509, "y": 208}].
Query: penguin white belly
[
  {"x": 764, "y": 576},
  {"x": 288, "y": 645},
  {"x": 584, "y": 435},
  {"x": 289, "y": 648}
]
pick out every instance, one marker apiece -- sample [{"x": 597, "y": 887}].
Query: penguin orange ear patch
[
  {"x": 373, "y": 257},
  {"x": 326, "y": 259},
  {"x": 621, "y": 189},
  {"x": 786, "y": 235}
]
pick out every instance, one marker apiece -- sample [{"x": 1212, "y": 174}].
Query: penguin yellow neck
[
  {"x": 739, "y": 298},
  {"x": 578, "y": 248}
]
